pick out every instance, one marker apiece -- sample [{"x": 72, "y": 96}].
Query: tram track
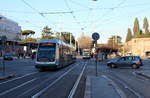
[
  {"x": 48, "y": 92},
  {"x": 125, "y": 86},
  {"x": 73, "y": 90},
  {"x": 37, "y": 82}
]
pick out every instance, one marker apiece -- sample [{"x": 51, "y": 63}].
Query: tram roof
[{"x": 55, "y": 41}]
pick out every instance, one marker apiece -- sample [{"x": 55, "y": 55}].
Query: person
[{"x": 32, "y": 56}]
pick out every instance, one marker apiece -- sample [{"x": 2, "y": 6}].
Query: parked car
[
  {"x": 8, "y": 57},
  {"x": 126, "y": 61}
]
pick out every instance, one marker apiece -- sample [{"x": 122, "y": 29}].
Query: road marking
[
  {"x": 137, "y": 77},
  {"x": 120, "y": 92},
  {"x": 77, "y": 83},
  {"x": 18, "y": 78},
  {"x": 43, "y": 82},
  {"x": 45, "y": 89},
  {"x": 3, "y": 93},
  {"x": 127, "y": 87}
]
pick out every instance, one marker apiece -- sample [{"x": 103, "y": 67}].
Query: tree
[
  {"x": 145, "y": 27},
  {"x": 47, "y": 37},
  {"x": 47, "y": 31},
  {"x": 27, "y": 33},
  {"x": 129, "y": 35},
  {"x": 66, "y": 36},
  {"x": 136, "y": 28},
  {"x": 114, "y": 38},
  {"x": 85, "y": 42},
  {"x": 114, "y": 42},
  {"x": 28, "y": 41}
]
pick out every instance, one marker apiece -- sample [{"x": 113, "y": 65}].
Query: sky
[{"x": 107, "y": 17}]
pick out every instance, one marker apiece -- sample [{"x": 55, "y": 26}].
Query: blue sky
[{"x": 107, "y": 17}]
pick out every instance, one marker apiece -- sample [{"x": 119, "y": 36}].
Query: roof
[{"x": 55, "y": 41}]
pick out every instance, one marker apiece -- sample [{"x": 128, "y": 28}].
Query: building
[
  {"x": 137, "y": 47},
  {"x": 10, "y": 29}
]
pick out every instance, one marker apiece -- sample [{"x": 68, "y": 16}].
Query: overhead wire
[
  {"x": 79, "y": 4},
  {"x": 41, "y": 14},
  {"x": 112, "y": 9},
  {"x": 73, "y": 15},
  {"x": 75, "y": 11}
]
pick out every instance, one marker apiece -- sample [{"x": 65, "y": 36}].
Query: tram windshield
[{"x": 46, "y": 52}]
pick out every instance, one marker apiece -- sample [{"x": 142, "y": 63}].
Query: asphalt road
[
  {"x": 133, "y": 85},
  {"x": 69, "y": 81},
  {"x": 29, "y": 82}
]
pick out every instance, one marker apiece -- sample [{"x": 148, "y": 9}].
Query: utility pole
[
  {"x": 70, "y": 38},
  {"x": 61, "y": 27}
]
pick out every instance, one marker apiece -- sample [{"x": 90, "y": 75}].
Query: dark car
[
  {"x": 126, "y": 61},
  {"x": 8, "y": 57}
]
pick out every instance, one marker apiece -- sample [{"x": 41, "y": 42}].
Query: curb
[
  {"x": 87, "y": 93},
  {"x": 118, "y": 90},
  {"x": 142, "y": 74},
  {"x": 7, "y": 77}
]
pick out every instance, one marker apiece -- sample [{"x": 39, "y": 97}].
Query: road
[
  {"x": 133, "y": 85},
  {"x": 69, "y": 81}
]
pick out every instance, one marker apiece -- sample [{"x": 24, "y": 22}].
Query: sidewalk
[
  {"x": 6, "y": 76},
  {"x": 102, "y": 87},
  {"x": 144, "y": 73}
]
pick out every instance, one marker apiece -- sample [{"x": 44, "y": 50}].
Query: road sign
[{"x": 95, "y": 36}]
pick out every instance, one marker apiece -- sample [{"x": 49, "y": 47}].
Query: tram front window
[{"x": 46, "y": 54}]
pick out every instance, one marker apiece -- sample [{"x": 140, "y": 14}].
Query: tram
[{"x": 53, "y": 54}]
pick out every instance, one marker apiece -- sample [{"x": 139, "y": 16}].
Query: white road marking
[
  {"x": 18, "y": 78},
  {"x": 127, "y": 87},
  {"x": 119, "y": 91},
  {"x": 73, "y": 90},
  {"x": 145, "y": 80},
  {"x": 3, "y": 93},
  {"x": 45, "y": 89}
]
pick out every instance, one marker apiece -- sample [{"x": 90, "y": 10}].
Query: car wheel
[
  {"x": 113, "y": 66},
  {"x": 134, "y": 66}
]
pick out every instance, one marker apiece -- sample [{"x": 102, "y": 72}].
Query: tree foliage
[
  {"x": 114, "y": 42},
  {"x": 85, "y": 42},
  {"x": 136, "y": 28},
  {"x": 27, "y": 32},
  {"x": 129, "y": 35},
  {"x": 66, "y": 36},
  {"x": 145, "y": 25},
  {"x": 137, "y": 32},
  {"x": 116, "y": 39},
  {"x": 47, "y": 31},
  {"x": 48, "y": 37},
  {"x": 28, "y": 40}
]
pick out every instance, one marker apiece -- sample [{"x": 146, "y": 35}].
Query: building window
[{"x": 134, "y": 41}]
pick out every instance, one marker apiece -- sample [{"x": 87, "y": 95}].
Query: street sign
[{"x": 95, "y": 36}]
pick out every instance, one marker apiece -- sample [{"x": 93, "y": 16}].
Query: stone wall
[{"x": 137, "y": 46}]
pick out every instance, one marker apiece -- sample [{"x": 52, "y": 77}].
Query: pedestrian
[{"x": 32, "y": 56}]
